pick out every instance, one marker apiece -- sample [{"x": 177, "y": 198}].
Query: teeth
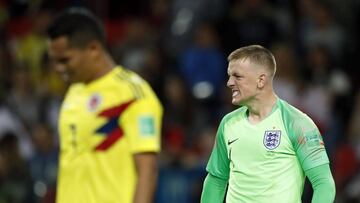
[{"x": 235, "y": 93}]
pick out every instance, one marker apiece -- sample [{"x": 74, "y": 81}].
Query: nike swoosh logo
[{"x": 230, "y": 142}]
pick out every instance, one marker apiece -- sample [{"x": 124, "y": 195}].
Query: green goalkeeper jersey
[{"x": 265, "y": 162}]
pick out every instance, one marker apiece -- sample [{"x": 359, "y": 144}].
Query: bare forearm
[{"x": 147, "y": 172}]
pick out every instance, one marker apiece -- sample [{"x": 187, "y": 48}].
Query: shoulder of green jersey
[
  {"x": 296, "y": 118},
  {"x": 235, "y": 115}
]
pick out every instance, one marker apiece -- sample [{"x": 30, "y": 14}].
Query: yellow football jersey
[{"x": 102, "y": 125}]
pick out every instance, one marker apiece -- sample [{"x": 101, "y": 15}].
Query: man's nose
[
  {"x": 58, "y": 67},
  {"x": 230, "y": 82}
]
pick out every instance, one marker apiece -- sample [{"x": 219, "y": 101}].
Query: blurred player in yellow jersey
[{"x": 110, "y": 119}]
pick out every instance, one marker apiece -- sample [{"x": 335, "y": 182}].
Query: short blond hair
[{"x": 256, "y": 54}]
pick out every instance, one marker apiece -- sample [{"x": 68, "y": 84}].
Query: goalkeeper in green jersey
[{"x": 265, "y": 148}]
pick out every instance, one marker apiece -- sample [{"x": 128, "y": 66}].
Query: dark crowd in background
[{"x": 180, "y": 47}]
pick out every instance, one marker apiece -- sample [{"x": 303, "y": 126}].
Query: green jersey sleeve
[
  {"x": 218, "y": 164},
  {"x": 323, "y": 184},
  {"x": 214, "y": 189},
  {"x": 305, "y": 137}
]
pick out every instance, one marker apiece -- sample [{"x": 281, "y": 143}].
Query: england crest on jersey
[{"x": 272, "y": 138}]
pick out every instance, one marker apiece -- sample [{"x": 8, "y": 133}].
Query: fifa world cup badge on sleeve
[
  {"x": 272, "y": 139},
  {"x": 146, "y": 125}
]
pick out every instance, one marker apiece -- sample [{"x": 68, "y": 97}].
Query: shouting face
[{"x": 244, "y": 81}]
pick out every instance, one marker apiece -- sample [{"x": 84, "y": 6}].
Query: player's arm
[
  {"x": 215, "y": 183},
  {"x": 142, "y": 125},
  {"x": 322, "y": 183},
  {"x": 310, "y": 150},
  {"x": 147, "y": 171},
  {"x": 214, "y": 189}
]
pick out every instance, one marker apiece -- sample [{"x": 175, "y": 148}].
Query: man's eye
[{"x": 63, "y": 60}]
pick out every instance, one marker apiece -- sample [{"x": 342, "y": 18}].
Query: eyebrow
[{"x": 63, "y": 59}]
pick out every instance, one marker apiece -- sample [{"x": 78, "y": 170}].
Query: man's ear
[
  {"x": 262, "y": 80},
  {"x": 94, "y": 47}
]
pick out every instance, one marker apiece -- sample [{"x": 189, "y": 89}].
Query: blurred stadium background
[{"x": 180, "y": 47}]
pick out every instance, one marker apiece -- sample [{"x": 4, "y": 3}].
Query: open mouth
[{"x": 235, "y": 93}]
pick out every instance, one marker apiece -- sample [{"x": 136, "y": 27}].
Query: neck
[
  {"x": 103, "y": 66},
  {"x": 261, "y": 107}
]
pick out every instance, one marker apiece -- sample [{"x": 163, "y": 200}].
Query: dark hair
[{"x": 79, "y": 25}]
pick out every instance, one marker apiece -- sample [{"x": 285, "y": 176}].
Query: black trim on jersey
[{"x": 136, "y": 89}]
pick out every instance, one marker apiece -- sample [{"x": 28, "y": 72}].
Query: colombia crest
[{"x": 94, "y": 102}]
